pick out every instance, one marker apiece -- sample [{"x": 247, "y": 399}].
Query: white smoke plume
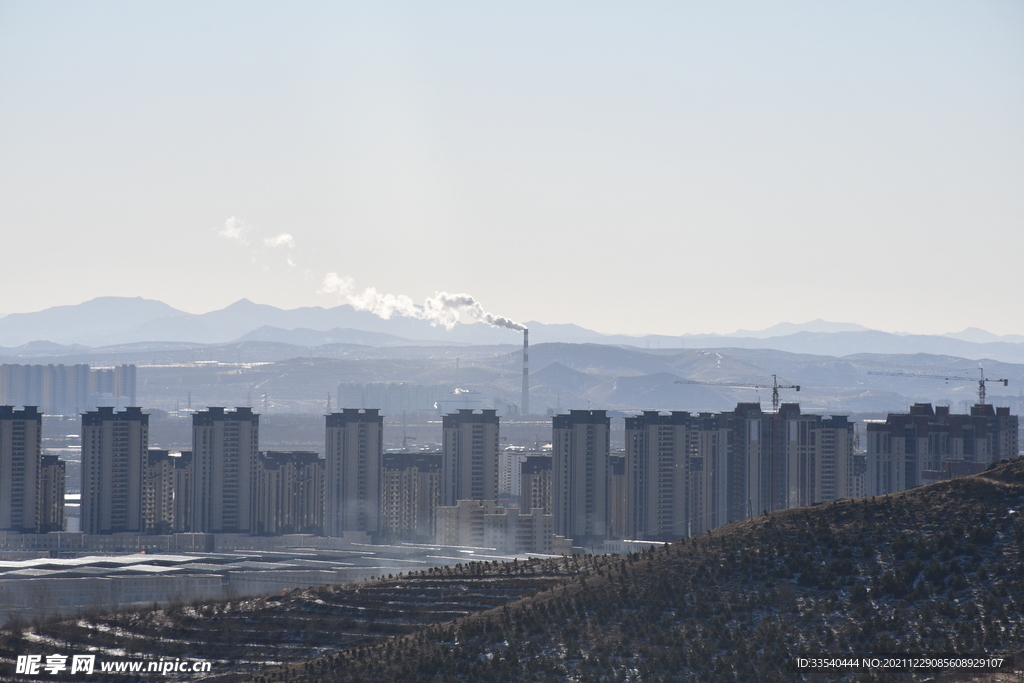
[{"x": 441, "y": 309}]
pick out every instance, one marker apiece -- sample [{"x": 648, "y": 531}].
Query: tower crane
[
  {"x": 982, "y": 380},
  {"x": 774, "y": 386}
]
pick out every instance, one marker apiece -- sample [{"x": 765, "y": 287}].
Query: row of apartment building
[
  {"x": 930, "y": 443},
  {"x": 684, "y": 473},
  {"x": 31, "y": 483},
  {"x": 680, "y": 473},
  {"x": 66, "y": 389}
]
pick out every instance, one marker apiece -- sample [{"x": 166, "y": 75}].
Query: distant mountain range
[{"x": 116, "y": 321}]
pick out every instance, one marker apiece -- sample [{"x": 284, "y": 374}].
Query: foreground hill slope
[
  {"x": 933, "y": 570},
  {"x": 247, "y": 634}
]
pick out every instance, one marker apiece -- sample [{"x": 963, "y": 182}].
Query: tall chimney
[{"x": 526, "y": 373}]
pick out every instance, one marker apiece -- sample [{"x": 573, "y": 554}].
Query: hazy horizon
[{"x": 735, "y": 332}]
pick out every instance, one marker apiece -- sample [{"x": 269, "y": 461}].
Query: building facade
[
  {"x": 510, "y": 531},
  {"x": 462, "y": 524},
  {"x": 580, "y": 477},
  {"x": 114, "y": 385},
  {"x": 52, "y": 480},
  {"x": 687, "y": 473},
  {"x": 410, "y": 494},
  {"x": 355, "y": 449},
  {"x": 290, "y": 493},
  {"x": 66, "y": 389},
  {"x": 167, "y": 492},
  {"x": 915, "y": 448},
  {"x": 469, "y": 468},
  {"x": 183, "y": 497},
  {"x": 158, "y": 492},
  {"x": 20, "y": 476},
  {"x": 224, "y": 448},
  {"x": 657, "y": 475},
  {"x": 485, "y": 524},
  {"x": 510, "y": 461},
  {"x": 818, "y": 457},
  {"x": 114, "y": 450},
  {"x": 535, "y": 484}
]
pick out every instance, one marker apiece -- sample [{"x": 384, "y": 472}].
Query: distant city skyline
[{"x": 659, "y": 169}]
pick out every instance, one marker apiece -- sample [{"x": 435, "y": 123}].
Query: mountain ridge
[{"x": 110, "y": 321}]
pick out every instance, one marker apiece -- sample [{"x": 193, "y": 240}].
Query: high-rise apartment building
[
  {"x": 750, "y": 461},
  {"x": 535, "y": 484},
  {"x": 158, "y": 492},
  {"x": 66, "y": 390},
  {"x": 182, "y": 492},
  {"x": 410, "y": 494},
  {"x": 113, "y": 385},
  {"x": 114, "y": 449},
  {"x": 469, "y": 469},
  {"x": 20, "y": 452},
  {"x": 911, "y": 449},
  {"x": 167, "y": 492},
  {"x": 709, "y": 473},
  {"x": 657, "y": 475},
  {"x": 688, "y": 473},
  {"x": 290, "y": 493},
  {"x": 580, "y": 450},
  {"x": 818, "y": 456},
  {"x": 224, "y": 448},
  {"x": 52, "y": 475},
  {"x": 618, "y": 496},
  {"x": 510, "y": 461},
  {"x": 354, "y": 448}
]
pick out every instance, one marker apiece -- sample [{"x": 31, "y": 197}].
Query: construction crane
[
  {"x": 982, "y": 380},
  {"x": 774, "y": 386}
]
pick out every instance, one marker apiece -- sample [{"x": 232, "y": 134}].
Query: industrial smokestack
[
  {"x": 441, "y": 309},
  {"x": 526, "y": 372}
]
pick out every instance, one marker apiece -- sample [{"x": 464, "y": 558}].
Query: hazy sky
[{"x": 630, "y": 167}]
